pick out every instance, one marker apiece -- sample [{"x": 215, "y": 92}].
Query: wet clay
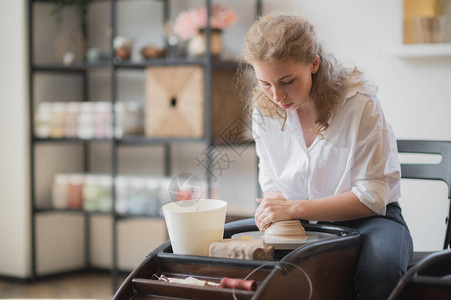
[{"x": 289, "y": 229}]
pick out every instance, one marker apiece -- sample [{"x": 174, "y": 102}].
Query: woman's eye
[
  {"x": 288, "y": 82},
  {"x": 265, "y": 84}
]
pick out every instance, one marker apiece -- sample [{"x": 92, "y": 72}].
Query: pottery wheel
[{"x": 286, "y": 235}]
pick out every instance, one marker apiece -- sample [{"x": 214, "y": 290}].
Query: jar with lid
[
  {"x": 137, "y": 197},
  {"x": 42, "y": 120},
  {"x": 152, "y": 191},
  {"x": 73, "y": 111},
  {"x": 58, "y": 120},
  {"x": 102, "y": 120},
  {"x": 75, "y": 191},
  {"x": 91, "y": 193},
  {"x": 122, "y": 193},
  {"x": 105, "y": 203},
  {"x": 163, "y": 194},
  {"x": 119, "y": 115},
  {"x": 60, "y": 191},
  {"x": 86, "y": 121}
]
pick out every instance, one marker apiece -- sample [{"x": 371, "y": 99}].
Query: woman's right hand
[{"x": 273, "y": 207}]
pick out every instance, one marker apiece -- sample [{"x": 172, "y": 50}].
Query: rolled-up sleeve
[{"x": 375, "y": 174}]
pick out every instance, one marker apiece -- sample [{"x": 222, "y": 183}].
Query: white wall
[
  {"x": 413, "y": 92},
  {"x": 14, "y": 162}
]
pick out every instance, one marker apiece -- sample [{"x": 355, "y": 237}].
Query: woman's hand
[{"x": 272, "y": 208}]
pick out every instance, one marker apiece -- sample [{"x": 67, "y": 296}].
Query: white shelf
[{"x": 424, "y": 50}]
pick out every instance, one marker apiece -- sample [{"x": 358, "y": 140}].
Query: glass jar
[
  {"x": 163, "y": 194},
  {"x": 137, "y": 203},
  {"x": 91, "y": 193},
  {"x": 119, "y": 113},
  {"x": 122, "y": 193},
  {"x": 42, "y": 120},
  {"x": 75, "y": 191},
  {"x": 198, "y": 44},
  {"x": 105, "y": 197},
  {"x": 60, "y": 191},
  {"x": 86, "y": 121},
  {"x": 58, "y": 120},
  {"x": 102, "y": 120},
  {"x": 73, "y": 111},
  {"x": 152, "y": 191}
]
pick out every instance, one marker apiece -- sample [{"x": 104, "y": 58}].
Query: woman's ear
[{"x": 315, "y": 64}]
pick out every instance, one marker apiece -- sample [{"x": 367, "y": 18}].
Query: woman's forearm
[{"x": 345, "y": 206}]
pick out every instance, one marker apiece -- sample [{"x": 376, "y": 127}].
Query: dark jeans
[{"x": 385, "y": 253}]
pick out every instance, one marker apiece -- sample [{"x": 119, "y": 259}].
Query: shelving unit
[
  {"x": 83, "y": 70},
  {"x": 423, "y": 50},
  {"x": 426, "y": 29}
]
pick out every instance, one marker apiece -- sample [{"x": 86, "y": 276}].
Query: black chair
[
  {"x": 429, "y": 274},
  {"x": 440, "y": 171},
  {"x": 429, "y": 279}
]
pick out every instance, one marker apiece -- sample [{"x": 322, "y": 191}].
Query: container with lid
[
  {"x": 75, "y": 191},
  {"x": 72, "y": 113},
  {"x": 60, "y": 191},
  {"x": 91, "y": 193},
  {"x": 42, "y": 120},
  {"x": 152, "y": 194},
  {"x": 58, "y": 120},
  {"x": 122, "y": 193},
  {"x": 86, "y": 121},
  {"x": 137, "y": 203},
  {"x": 105, "y": 203},
  {"x": 163, "y": 194},
  {"x": 102, "y": 120}
]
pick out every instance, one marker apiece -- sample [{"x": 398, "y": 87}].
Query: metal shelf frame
[{"x": 83, "y": 69}]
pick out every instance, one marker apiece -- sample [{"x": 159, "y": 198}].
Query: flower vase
[{"x": 198, "y": 44}]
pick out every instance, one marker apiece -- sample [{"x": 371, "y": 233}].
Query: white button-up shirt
[{"x": 358, "y": 154}]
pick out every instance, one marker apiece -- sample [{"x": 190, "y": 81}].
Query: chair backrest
[
  {"x": 440, "y": 171},
  {"x": 429, "y": 279}
]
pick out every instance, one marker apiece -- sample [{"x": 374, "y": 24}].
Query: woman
[{"x": 322, "y": 140}]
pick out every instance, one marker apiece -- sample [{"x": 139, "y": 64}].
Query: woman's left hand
[{"x": 270, "y": 210}]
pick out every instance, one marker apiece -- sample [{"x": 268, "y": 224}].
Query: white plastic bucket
[{"x": 192, "y": 228}]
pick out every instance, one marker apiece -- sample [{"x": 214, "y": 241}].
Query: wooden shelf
[{"x": 423, "y": 50}]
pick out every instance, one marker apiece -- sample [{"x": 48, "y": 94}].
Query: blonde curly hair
[{"x": 280, "y": 37}]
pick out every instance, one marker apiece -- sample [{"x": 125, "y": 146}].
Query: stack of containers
[
  {"x": 87, "y": 120},
  {"x": 93, "y": 193}
]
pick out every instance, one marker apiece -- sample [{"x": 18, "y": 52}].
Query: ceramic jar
[{"x": 198, "y": 44}]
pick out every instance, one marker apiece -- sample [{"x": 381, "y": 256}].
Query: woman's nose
[{"x": 278, "y": 95}]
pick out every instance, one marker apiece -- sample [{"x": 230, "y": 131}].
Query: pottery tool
[{"x": 226, "y": 282}]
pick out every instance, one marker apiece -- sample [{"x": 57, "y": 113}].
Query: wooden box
[{"x": 175, "y": 103}]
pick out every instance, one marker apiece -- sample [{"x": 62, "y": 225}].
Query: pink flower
[{"x": 189, "y": 22}]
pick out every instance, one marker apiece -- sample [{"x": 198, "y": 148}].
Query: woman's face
[{"x": 287, "y": 83}]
